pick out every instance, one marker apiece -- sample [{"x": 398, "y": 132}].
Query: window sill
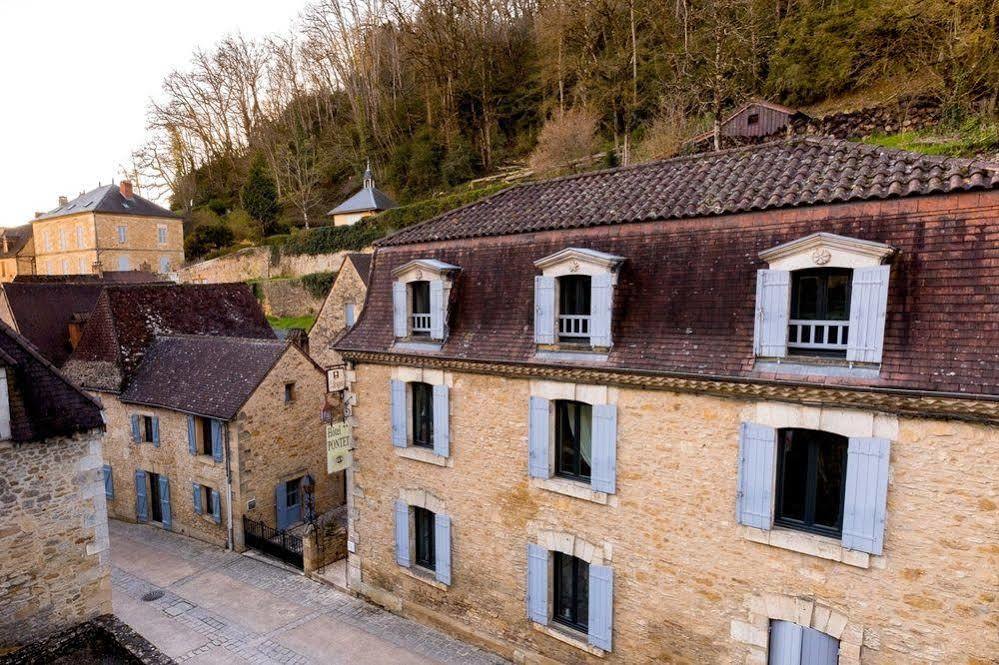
[
  {"x": 571, "y": 637},
  {"x": 574, "y": 353},
  {"x": 207, "y": 460},
  {"x": 425, "y": 576},
  {"x": 416, "y": 344},
  {"x": 817, "y": 366},
  {"x": 577, "y": 490},
  {"x": 423, "y": 455},
  {"x": 810, "y": 544}
]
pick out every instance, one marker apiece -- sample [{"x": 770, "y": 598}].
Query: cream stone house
[
  {"x": 368, "y": 201},
  {"x": 342, "y": 306},
  {"x": 213, "y": 424},
  {"x": 55, "y": 569},
  {"x": 739, "y": 407},
  {"x": 17, "y": 252},
  {"x": 110, "y": 228}
]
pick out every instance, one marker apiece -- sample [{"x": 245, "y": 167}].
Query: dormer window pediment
[{"x": 826, "y": 250}]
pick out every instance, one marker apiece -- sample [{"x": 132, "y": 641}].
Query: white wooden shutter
[
  {"x": 5, "y": 432},
  {"x": 400, "y": 325},
  {"x": 165, "y": 501},
  {"x": 216, "y": 507},
  {"x": 140, "y": 496},
  {"x": 442, "y": 548},
  {"x": 785, "y": 643},
  {"x": 868, "y": 313},
  {"x": 537, "y": 584},
  {"x": 817, "y": 648},
  {"x": 603, "y": 469},
  {"x": 402, "y": 533},
  {"x": 442, "y": 435},
  {"x": 544, "y": 310},
  {"x": 398, "y": 408},
  {"x": 537, "y": 438},
  {"x": 866, "y": 496},
  {"x": 436, "y": 309},
  {"x": 601, "y": 309},
  {"x": 757, "y": 471},
  {"x": 773, "y": 312},
  {"x": 601, "y": 607}
]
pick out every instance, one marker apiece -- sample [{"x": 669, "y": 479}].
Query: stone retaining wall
[
  {"x": 286, "y": 297},
  {"x": 258, "y": 263}
]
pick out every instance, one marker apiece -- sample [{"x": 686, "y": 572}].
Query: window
[
  {"x": 48, "y": 240},
  {"x": 164, "y": 265},
  {"x": 573, "y": 439},
  {"x": 292, "y": 494},
  {"x": 65, "y": 266},
  {"x": 63, "y": 243},
  {"x": 570, "y": 591},
  {"x": 123, "y": 263},
  {"x": 422, "y": 396},
  {"x": 161, "y": 234},
  {"x": 205, "y": 425},
  {"x": 753, "y": 119},
  {"x": 122, "y": 234},
  {"x": 82, "y": 265},
  {"x": 207, "y": 502},
  {"x": 289, "y": 392},
  {"x": 820, "y": 311},
  {"x": 811, "y": 478},
  {"x": 574, "y": 308},
  {"x": 423, "y": 532},
  {"x": 79, "y": 236},
  {"x": 793, "y": 643},
  {"x": 145, "y": 429},
  {"x": 348, "y": 314},
  {"x": 419, "y": 296}
]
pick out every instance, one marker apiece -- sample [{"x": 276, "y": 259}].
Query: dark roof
[
  {"x": 207, "y": 376},
  {"x": 684, "y": 303},
  {"x": 41, "y": 312},
  {"x": 784, "y": 174},
  {"x": 108, "y": 199},
  {"x": 17, "y": 238},
  {"x": 362, "y": 264},
  {"x": 127, "y": 318},
  {"x": 367, "y": 199},
  {"x": 107, "y": 277},
  {"x": 43, "y": 402}
]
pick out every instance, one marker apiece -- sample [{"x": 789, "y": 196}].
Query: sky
[{"x": 76, "y": 78}]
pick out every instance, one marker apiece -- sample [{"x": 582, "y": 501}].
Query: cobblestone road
[{"x": 213, "y": 606}]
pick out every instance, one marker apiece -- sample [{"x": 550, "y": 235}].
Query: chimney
[
  {"x": 63, "y": 201},
  {"x": 38, "y": 213},
  {"x": 126, "y": 189}
]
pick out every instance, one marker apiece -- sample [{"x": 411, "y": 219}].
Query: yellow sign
[{"x": 337, "y": 447}]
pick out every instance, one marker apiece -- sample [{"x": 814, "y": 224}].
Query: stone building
[
  {"x": 54, "y": 564},
  {"x": 105, "y": 229},
  {"x": 210, "y": 418},
  {"x": 17, "y": 252},
  {"x": 368, "y": 201},
  {"x": 341, "y": 308},
  {"x": 732, "y": 408}
]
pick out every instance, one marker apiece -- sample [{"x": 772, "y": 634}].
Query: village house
[
  {"x": 212, "y": 421},
  {"x": 54, "y": 563},
  {"x": 739, "y": 407},
  {"x": 108, "y": 228},
  {"x": 341, "y": 308},
  {"x": 368, "y": 201},
  {"x": 17, "y": 252}
]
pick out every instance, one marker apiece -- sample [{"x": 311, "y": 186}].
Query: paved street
[{"x": 223, "y": 608}]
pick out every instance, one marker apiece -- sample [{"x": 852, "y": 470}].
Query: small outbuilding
[{"x": 368, "y": 201}]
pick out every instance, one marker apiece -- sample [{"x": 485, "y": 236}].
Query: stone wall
[
  {"x": 286, "y": 297},
  {"x": 54, "y": 558},
  {"x": 348, "y": 288},
  {"x": 690, "y": 584},
  {"x": 904, "y": 116},
  {"x": 258, "y": 263},
  {"x": 327, "y": 543}
]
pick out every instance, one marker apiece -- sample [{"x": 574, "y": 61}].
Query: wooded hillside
[{"x": 438, "y": 92}]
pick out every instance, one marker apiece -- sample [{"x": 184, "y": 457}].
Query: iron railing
[
  {"x": 278, "y": 544},
  {"x": 818, "y": 335},
  {"x": 574, "y": 325}
]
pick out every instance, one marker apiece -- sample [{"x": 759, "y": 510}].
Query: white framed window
[
  {"x": 574, "y": 298},
  {"x": 123, "y": 263},
  {"x": 161, "y": 234},
  {"x": 349, "y": 316},
  {"x": 420, "y": 293},
  {"x": 79, "y": 236},
  {"x": 822, "y": 296},
  {"x": 122, "y": 234},
  {"x": 164, "y": 264},
  {"x": 48, "y": 240},
  {"x": 423, "y": 537},
  {"x": 63, "y": 242},
  {"x": 420, "y": 412},
  {"x": 65, "y": 266}
]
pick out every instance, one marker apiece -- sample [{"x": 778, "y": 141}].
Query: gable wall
[{"x": 348, "y": 288}]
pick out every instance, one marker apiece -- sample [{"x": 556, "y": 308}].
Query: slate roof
[
  {"x": 206, "y": 376},
  {"x": 108, "y": 199},
  {"x": 17, "y": 238},
  {"x": 684, "y": 304},
  {"x": 362, "y": 264},
  {"x": 367, "y": 199},
  {"x": 43, "y": 402},
  {"x": 785, "y": 174},
  {"x": 41, "y": 312},
  {"x": 127, "y": 319}
]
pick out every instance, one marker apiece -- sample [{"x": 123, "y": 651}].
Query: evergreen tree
[{"x": 259, "y": 195}]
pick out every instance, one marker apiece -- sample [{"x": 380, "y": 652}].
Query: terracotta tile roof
[
  {"x": 41, "y": 312},
  {"x": 43, "y": 402},
  {"x": 107, "y": 277},
  {"x": 207, "y": 376},
  {"x": 127, "y": 318},
  {"x": 685, "y": 299},
  {"x": 794, "y": 172},
  {"x": 17, "y": 238}
]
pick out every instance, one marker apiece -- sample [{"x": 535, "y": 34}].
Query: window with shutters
[
  {"x": 811, "y": 479},
  {"x": 424, "y": 550},
  {"x": 204, "y": 435},
  {"x": 161, "y": 234},
  {"x": 574, "y": 300},
  {"x": 423, "y": 538},
  {"x": 570, "y": 591},
  {"x": 820, "y": 312},
  {"x": 419, "y": 299},
  {"x": 145, "y": 429},
  {"x": 573, "y": 440},
  {"x": 422, "y": 423},
  {"x": 419, "y": 405},
  {"x": 420, "y": 294}
]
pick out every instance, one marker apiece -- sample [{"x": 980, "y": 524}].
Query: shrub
[
  {"x": 565, "y": 139},
  {"x": 664, "y": 137},
  {"x": 208, "y": 238},
  {"x": 243, "y": 226},
  {"x": 318, "y": 284}
]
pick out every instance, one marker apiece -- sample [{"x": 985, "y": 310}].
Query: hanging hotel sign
[
  {"x": 336, "y": 378},
  {"x": 337, "y": 447}
]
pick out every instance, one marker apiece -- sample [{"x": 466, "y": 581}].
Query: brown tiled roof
[
  {"x": 795, "y": 172},
  {"x": 127, "y": 318},
  {"x": 43, "y": 402},
  {"x": 17, "y": 238},
  {"x": 42, "y": 311},
  {"x": 362, "y": 264},
  {"x": 207, "y": 376},
  {"x": 107, "y": 277},
  {"x": 685, "y": 299}
]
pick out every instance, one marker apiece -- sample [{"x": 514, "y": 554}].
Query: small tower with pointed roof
[{"x": 368, "y": 201}]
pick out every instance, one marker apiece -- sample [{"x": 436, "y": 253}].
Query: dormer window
[
  {"x": 823, "y": 296},
  {"x": 574, "y": 299},
  {"x": 420, "y": 296}
]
